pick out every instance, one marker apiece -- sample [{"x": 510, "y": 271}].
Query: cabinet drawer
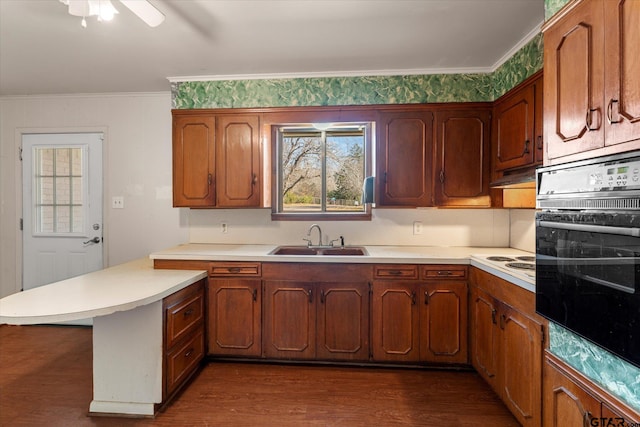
[
  {"x": 396, "y": 271},
  {"x": 183, "y": 360},
  {"x": 183, "y": 314},
  {"x": 244, "y": 269},
  {"x": 444, "y": 272}
]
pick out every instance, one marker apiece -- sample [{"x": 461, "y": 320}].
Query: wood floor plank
[{"x": 45, "y": 380}]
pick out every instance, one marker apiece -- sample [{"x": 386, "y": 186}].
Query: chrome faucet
[{"x": 309, "y": 235}]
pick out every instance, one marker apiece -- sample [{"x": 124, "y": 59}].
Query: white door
[{"x": 62, "y": 206}]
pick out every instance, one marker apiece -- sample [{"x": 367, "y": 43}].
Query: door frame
[{"x": 19, "y": 132}]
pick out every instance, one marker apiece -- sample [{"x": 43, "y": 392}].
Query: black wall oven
[{"x": 588, "y": 250}]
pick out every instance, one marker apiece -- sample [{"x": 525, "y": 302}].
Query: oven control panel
[{"x": 591, "y": 178}]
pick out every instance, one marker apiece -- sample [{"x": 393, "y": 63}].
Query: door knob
[{"x": 95, "y": 240}]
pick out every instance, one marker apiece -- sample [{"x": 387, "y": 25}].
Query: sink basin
[
  {"x": 294, "y": 250},
  {"x": 347, "y": 251},
  {"x": 304, "y": 250}
]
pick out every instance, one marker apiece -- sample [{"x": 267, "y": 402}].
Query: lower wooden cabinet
[
  {"x": 183, "y": 314},
  {"x": 316, "y": 320},
  {"x": 506, "y": 344},
  {"x": 235, "y": 310},
  {"x": 572, "y": 400},
  {"x": 419, "y": 320}
]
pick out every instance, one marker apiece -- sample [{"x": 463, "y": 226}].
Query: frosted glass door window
[{"x": 59, "y": 190}]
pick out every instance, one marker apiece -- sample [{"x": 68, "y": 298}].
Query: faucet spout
[{"x": 319, "y": 235}]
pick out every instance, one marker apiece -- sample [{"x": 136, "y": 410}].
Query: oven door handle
[{"x": 605, "y": 229}]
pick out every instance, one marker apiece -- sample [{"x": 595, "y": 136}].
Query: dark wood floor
[{"x": 45, "y": 380}]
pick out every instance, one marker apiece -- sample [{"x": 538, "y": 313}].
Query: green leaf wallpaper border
[{"x": 366, "y": 90}]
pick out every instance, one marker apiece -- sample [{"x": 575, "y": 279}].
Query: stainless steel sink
[{"x": 305, "y": 250}]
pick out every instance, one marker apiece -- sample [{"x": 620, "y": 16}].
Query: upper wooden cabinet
[
  {"x": 404, "y": 158},
  {"x": 194, "y": 161},
  {"x": 591, "y": 85},
  {"x": 517, "y": 127},
  {"x": 462, "y": 163},
  {"x": 216, "y": 160}
]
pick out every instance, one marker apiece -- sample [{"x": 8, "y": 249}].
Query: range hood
[{"x": 522, "y": 178}]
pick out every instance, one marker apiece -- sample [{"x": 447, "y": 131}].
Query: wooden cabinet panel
[
  {"x": 290, "y": 320},
  {"x": 186, "y": 314},
  {"x": 183, "y": 359},
  {"x": 404, "y": 158},
  {"x": 443, "y": 322},
  {"x": 462, "y": 165},
  {"x": 238, "y": 153},
  {"x": 591, "y": 89},
  {"x": 194, "y": 161},
  {"x": 343, "y": 321},
  {"x": 514, "y": 129},
  {"x": 216, "y": 160},
  {"x": 520, "y": 359},
  {"x": 395, "y": 322},
  {"x": 484, "y": 335},
  {"x": 235, "y": 308},
  {"x": 622, "y": 90},
  {"x": 395, "y": 271}
]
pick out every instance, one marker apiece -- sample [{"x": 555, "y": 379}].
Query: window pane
[
  {"x": 301, "y": 172},
  {"x": 63, "y": 191},
  {"x": 345, "y": 172},
  {"x": 63, "y": 219},
  {"x": 59, "y": 190}
]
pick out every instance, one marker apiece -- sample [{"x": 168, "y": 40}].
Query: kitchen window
[{"x": 320, "y": 170}]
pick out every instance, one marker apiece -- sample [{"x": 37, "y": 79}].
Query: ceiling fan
[{"x": 105, "y": 11}]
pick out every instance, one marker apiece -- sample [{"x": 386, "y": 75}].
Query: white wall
[
  {"x": 137, "y": 159},
  {"x": 440, "y": 227},
  {"x": 522, "y": 229}
]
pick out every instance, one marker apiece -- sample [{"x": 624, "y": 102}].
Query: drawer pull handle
[
  {"x": 233, "y": 269},
  {"x": 503, "y": 321},
  {"x": 493, "y": 316},
  {"x": 395, "y": 272},
  {"x": 188, "y": 353},
  {"x": 189, "y": 312},
  {"x": 445, "y": 273}
]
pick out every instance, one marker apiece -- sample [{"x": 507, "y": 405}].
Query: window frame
[{"x": 276, "y": 203}]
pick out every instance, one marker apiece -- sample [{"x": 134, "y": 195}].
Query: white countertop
[
  {"x": 100, "y": 293},
  {"x": 377, "y": 254}
]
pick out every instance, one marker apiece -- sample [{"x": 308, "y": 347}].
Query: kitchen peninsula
[{"x": 132, "y": 309}]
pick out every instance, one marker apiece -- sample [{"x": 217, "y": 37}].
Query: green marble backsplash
[
  {"x": 408, "y": 89},
  {"x": 615, "y": 375}
]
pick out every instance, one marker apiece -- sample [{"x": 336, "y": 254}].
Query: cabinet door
[
  {"x": 395, "y": 322},
  {"x": 574, "y": 81},
  {"x": 289, "y": 320},
  {"x": 567, "y": 404},
  {"x": 462, "y": 166},
  {"x": 194, "y": 161},
  {"x": 484, "y": 336},
  {"x": 538, "y": 121},
  {"x": 622, "y": 90},
  {"x": 343, "y": 321},
  {"x": 521, "y": 365},
  {"x": 238, "y": 151},
  {"x": 443, "y": 322},
  {"x": 404, "y": 158},
  {"x": 235, "y": 317},
  {"x": 514, "y": 129}
]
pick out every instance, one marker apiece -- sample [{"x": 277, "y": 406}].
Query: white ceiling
[{"x": 44, "y": 50}]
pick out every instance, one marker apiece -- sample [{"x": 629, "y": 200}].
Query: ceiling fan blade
[{"x": 145, "y": 11}]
